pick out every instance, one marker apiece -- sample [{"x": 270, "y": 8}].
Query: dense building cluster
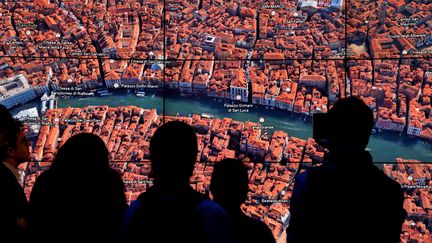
[
  {"x": 253, "y": 29},
  {"x": 416, "y": 181},
  {"x": 75, "y": 29},
  {"x": 391, "y": 28},
  {"x": 398, "y": 91},
  {"x": 74, "y": 35},
  {"x": 128, "y": 130}
]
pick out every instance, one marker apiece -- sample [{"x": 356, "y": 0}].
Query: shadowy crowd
[{"x": 346, "y": 199}]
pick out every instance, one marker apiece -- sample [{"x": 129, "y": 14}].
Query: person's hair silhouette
[
  {"x": 14, "y": 150},
  {"x": 229, "y": 187},
  {"x": 347, "y": 196},
  {"x": 173, "y": 151},
  {"x": 79, "y": 196},
  {"x": 229, "y": 183},
  {"x": 350, "y": 126},
  {"x": 84, "y": 147}
]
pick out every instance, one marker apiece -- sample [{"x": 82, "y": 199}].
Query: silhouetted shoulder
[
  {"x": 116, "y": 181},
  {"x": 392, "y": 189},
  {"x": 42, "y": 179},
  {"x": 13, "y": 205},
  {"x": 42, "y": 188},
  {"x": 46, "y": 183},
  {"x": 152, "y": 209},
  {"x": 382, "y": 181},
  {"x": 250, "y": 230}
]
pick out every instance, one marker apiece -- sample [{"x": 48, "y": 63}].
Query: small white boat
[
  {"x": 206, "y": 115},
  {"x": 140, "y": 93}
]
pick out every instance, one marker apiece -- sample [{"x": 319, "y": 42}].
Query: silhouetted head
[
  {"x": 351, "y": 124},
  {"x": 229, "y": 183},
  {"x": 84, "y": 152},
  {"x": 173, "y": 151}
]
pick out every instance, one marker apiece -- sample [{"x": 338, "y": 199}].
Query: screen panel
[
  {"x": 389, "y": 29},
  {"x": 416, "y": 181},
  {"x": 89, "y": 29},
  {"x": 300, "y": 30},
  {"x": 210, "y": 29}
]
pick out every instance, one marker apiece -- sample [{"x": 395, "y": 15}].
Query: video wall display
[{"x": 247, "y": 75}]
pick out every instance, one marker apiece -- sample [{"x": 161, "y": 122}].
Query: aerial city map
[{"x": 247, "y": 75}]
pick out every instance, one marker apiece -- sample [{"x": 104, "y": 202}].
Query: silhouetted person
[
  {"x": 14, "y": 150},
  {"x": 171, "y": 211},
  {"x": 79, "y": 198},
  {"x": 347, "y": 199},
  {"x": 229, "y": 187}
]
